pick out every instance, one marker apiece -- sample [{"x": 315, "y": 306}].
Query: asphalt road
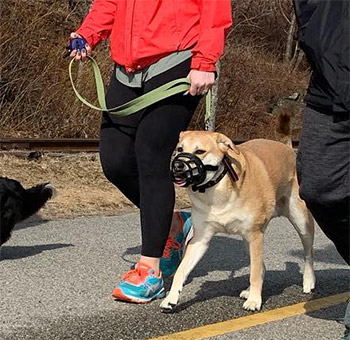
[{"x": 56, "y": 278}]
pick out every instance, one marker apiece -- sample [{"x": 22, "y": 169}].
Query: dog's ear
[
  {"x": 225, "y": 144},
  {"x": 182, "y": 135}
]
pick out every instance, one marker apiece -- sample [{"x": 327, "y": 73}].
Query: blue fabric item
[{"x": 77, "y": 44}]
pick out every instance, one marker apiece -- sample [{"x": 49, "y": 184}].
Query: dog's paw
[
  {"x": 252, "y": 304},
  {"x": 308, "y": 286},
  {"x": 309, "y": 281},
  {"x": 168, "y": 304},
  {"x": 244, "y": 294}
]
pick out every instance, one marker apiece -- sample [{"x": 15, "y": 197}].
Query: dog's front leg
[
  {"x": 256, "y": 271},
  {"x": 245, "y": 293},
  {"x": 194, "y": 252}
]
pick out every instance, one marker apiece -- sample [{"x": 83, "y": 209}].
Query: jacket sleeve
[
  {"x": 99, "y": 22},
  {"x": 215, "y": 22}
]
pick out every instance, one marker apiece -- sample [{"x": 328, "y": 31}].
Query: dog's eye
[
  {"x": 180, "y": 149},
  {"x": 199, "y": 152}
]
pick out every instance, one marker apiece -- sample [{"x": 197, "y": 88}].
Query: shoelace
[
  {"x": 138, "y": 272},
  {"x": 171, "y": 244},
  {"x": 130, "y": 273}
]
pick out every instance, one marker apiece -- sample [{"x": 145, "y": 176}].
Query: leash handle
[
  {"x": 78, "y": 44},
  {"x": 207, "y": 109},
  {"x": 165, "y": 91}
]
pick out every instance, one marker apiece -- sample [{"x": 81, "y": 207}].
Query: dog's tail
[
  {"x": 36, "y": 197},
  {"x": 283, "y": 129}
]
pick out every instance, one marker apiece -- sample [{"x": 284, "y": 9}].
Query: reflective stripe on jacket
[{"x": 143, "y": 31}]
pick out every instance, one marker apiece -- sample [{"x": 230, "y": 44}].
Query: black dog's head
[
  {"x": 17, "y": 203},
  {"x": 11, "y": 204}
]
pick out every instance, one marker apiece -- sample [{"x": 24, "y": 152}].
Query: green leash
[{"x": 169, "y": 89}]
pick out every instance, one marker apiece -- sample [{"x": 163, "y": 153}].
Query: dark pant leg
[
  {"x": 156, "y": 138},
  {"x": 323, "y": 173},
  {"x": 117, "y": 142}
]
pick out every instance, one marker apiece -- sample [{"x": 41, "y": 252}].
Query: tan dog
[{"x": 266, "y": 187}]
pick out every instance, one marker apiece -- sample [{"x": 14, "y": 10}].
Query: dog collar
[{"x": 227, "y": 169}]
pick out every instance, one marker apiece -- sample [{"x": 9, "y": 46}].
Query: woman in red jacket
[{"x": 153, "y": 42}]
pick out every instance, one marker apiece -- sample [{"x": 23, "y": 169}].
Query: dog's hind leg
[
  {"x": 303, "y": 222},
  {"x": 194, "y": 252}
]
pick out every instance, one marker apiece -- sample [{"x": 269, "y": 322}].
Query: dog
[
  {"x": 17, "y": 203},
  {"x": 238, "y": 190}
]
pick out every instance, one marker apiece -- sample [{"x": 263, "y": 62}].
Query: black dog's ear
[{"x": 226, "y": 145}]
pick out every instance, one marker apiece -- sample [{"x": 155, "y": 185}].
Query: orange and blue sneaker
[
  {"x": 173, "y": 250},
  {"x": 140, "y": 285}
]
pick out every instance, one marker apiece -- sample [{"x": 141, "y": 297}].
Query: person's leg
[
  {"x": 117, "y": 142},
  {"x": 156, "y": 138},
  {"x": 323, "y": 173}
]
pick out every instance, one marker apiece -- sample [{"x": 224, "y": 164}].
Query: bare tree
[
  {"x": 210, "y": 123},
  {"x": 293, "y": 55}
]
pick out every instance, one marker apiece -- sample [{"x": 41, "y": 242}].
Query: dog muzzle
[{"x": 188, "y": 169}]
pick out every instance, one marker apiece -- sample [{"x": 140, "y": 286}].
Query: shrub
[{"x": 36, "y": 99}]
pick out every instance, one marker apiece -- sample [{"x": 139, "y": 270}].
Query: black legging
[
  {"x": 135, "y": 152},
  {"x": 323, "y": 173}
]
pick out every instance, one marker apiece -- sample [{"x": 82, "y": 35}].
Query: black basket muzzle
[{"x": 188, "y": 169}]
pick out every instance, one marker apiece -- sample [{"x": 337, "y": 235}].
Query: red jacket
[{"x": 143, "y": 31}]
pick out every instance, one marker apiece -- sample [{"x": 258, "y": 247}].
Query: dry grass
[
  {"x": 245, "y": 100},
  {"x": 253, "y": 73},
  {"x": 82, "y": 189},
  {"x": 42, "y": 103},
  {"x": 36, "y": 99}
]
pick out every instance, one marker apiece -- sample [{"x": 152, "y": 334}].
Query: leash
[{"x": 165, "y": 91}]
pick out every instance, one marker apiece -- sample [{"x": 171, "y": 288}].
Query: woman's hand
[
  {"x": 80, "y": 54},
  {"x": 201, "y": 82}
]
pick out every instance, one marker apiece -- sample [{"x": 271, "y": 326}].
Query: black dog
[{"x": 17, "y": 203}]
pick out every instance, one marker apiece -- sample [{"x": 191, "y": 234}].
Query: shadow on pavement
[
  {"x": 30, "y": 222},
  {"x": 335, "y": 313},
  {"x": 286, "y": 283},
  {"x": 277, "y": 283},
  {"x": 19, "y": 252},
  {"x": 131, "y": 251},
  {"x": 219, "y": 249},
  {"x": 325, "y": 255}
]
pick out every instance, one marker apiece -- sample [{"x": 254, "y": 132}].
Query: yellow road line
[{"x": 256, "y": 319}]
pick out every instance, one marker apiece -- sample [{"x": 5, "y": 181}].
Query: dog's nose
[{"x": 178, "y": 166}]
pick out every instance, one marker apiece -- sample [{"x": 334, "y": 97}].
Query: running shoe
[
  {"x": 140, "y": 285},
  {"x": 174, "y": 246}
]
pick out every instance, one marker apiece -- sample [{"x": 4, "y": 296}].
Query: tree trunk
[
  {"x": 210, "y": 123},
  {"x": 290, "y": 39}
]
